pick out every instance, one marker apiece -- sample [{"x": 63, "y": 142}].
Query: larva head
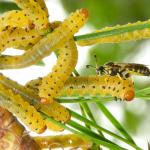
[
  {"x": 76, "y": 20},
  {"x": 129, "y": 95},
  {"x": 84, "y": 12}
]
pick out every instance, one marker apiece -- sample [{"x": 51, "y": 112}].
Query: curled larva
[
  {"x": 55, "y": 110},
  {"x": 22, "y": 109},
  {"x": 18, "y": 37},
  {"x": 119, "y": 33},
  {"x": 33, "y": 10},
  {"x": 54, "y": 81},
  {"x": 95, "y": 85},
  {"x": 49, "y": 43}
]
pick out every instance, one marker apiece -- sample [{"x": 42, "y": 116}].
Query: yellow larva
[
  {"x": 15, "y": 18},
  {"x": 55, "y": 110},
  {"x": 23, "y": 110},
  {"x": 141, "y": 33},
  {"x": 63, "y": 141},
  {"x": 34, "y": 11},
  {"x": 49, "y": 43},
  {"x": 54, "y": 81},
  {"x": 18, "y": 37},
  {"x": 95, "y": 85}
]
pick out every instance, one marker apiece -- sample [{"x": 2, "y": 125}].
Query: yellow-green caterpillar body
[
  {"x": 49, "y": 43},
  {"x": 94, "y": 85},
  {"x": 122, "y": 37},
  {"x": 22, "y": 109},
  {"x": 54, "y": 81},
  {"x": 54, "y": 110}
]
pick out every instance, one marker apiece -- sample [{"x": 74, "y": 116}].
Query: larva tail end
[
  {"x": 84, "y": 12},
  {"x": 129, "y": 95},
  {"x": 46, "y": 101}
]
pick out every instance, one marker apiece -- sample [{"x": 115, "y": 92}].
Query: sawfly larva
[
  {"x": 48, "y": 43},
  {"x": 119, "y": 33},
  {"x": 54, "y": 81},
  {"x": 95, "y": 85},
  {"x": 54, "y": 110},
  {"x": 22, "y": 109}
]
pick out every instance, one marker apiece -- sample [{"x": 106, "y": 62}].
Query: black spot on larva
[
  {"x": 49, "y": 94},
  {"x": 109, "y": 87},
  {"x": 114, "y": 89},
  {"x": 119, "y": 82},
  {"x": 103, "y": 87},
  {"x": 123, "y": 88},
  {"x": 71, "y": 87},
  {"x": 93, "y": 87},
  {"x": 117, "y": 91},
  {"x": 83, "y": 86}
]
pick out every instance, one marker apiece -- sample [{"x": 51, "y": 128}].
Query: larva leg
[
  {"x": 54, "y": 82},
  {"x": 18, "y": 37},
  {"x": 34, "y": 11},
  {"x": 141, "y": 33},
  {"x": 55, "y": 110},
  {"x": 23, "y": 110},
  {"x": 64, "y": 141},
  {"x": 49, "y": 43}
]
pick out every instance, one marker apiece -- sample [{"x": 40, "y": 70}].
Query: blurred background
[{"x": 133, "y": 115}]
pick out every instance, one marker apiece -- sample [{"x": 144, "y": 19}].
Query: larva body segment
[
  {"x": 23, "y": 110},
  {"x": 94, "y": 85},
  {"x": 141, "y": 33},
  {"x": 33, "y": 10},
  {"x": 18, "y": 37},
  {"x": 50, "y": 42},
  {"x": 54, "y": 81},
  {"x": 55, "y": 110}
]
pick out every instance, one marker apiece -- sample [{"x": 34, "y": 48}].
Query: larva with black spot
[
  {"x": 94, "y": 85},
  {"x": 54, "y": 110},
  {"x": 35, "y": 13},
  {"x": 120, "y": 33},
  {"x": 48, "y": 43},
  {"x": 54, "y": 81},
  {"x": 23, "y": 110},
  {"x": 18, "y": 37},
  {"x": 15, "y": 18},
  {"x": 100, "y": 85}
]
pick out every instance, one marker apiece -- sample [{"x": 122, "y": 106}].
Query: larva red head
[
  {"x": 129, "y": 95},
  {"x": 84, "y": 12}
]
